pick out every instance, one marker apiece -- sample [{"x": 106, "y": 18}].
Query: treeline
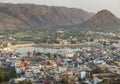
[{"x": 6, "y": 75}]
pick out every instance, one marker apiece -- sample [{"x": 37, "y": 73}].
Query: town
[
  {"x": 95, "y": 62},
  {"x": 59, "y": 42}
]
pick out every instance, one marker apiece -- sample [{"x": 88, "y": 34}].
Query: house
[
  {"x": 96, "y": 80},
  {"x": 97, "y": 61},
  {"x": 83, "y": 74},
  {"x": 69, "y": 54}
]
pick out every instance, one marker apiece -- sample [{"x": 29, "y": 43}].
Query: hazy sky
[{"x": 88, "y": 5}]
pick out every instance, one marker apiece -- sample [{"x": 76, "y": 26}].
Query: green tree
[
  {"x": 39, "y": 53},
  {"x": 48, "y": 55},
  {"x": 25, "y": 82},
  {"x": 55, "y": 55},
  {"x": 2, "y": 76}
]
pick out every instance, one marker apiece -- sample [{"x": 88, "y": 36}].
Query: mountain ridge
[
  {"x": 35, "y": 16},
  {"x": 103, "y": 19}
]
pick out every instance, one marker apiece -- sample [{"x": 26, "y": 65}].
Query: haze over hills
[
  {"x": 23, "y": 16},
  {"x": 15, "y": 16},
  {"x": 103, "y": 20}
]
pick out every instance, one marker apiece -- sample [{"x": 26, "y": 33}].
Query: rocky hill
[
  {"x": 103, "y": 20},
  {"x": 15, "y": 16}
]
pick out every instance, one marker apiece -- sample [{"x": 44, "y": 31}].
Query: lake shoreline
[
  {"x": 45, "y": 49},
  {"x": 62, "y": 45}
]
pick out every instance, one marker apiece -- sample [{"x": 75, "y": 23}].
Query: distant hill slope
[
  {"x": 103, "y": 20},
  {"x": 15, "y": 16}
]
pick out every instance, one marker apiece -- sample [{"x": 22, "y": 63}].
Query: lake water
[{"x": 41, "y": 49}]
